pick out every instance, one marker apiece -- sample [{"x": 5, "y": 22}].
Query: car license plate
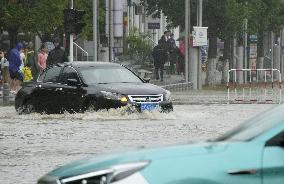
[{"x": 149, "y": 106}]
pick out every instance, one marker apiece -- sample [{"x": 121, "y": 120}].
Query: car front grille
[{"x": 145, "y": 98}]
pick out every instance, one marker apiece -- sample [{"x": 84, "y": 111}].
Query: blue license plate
[{"x": 149, "y": 106}]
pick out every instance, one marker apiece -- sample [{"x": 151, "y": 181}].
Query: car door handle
[
  {"x": 58, "y": 89},
  {"x": 242, "y": 172}
]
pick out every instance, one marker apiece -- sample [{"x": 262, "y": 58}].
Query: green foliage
[
  {"x": 139, "y": 48},
  {"x": 233, "y": 20},
  {"x": 265, "y": 15},
  {"x": 87, "y": 5},
  {"x": 45, "y": 17},
  {"x": 173, "y": 9}
]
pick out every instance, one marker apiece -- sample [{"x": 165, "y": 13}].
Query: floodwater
[{"x": 31, "y": 145}]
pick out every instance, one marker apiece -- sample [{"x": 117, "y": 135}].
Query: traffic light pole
[{"x": 71, "y": 39}]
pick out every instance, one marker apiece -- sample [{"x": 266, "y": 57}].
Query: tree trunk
[
  {"x": 227, "y": 56},
  {"x": 212, "y": 59},
  {"x": 260, "y": 54}
]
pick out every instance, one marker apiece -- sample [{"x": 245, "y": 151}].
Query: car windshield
[
  {"x": 255, "y": 126},
  {"x": 105, "y": 75}
]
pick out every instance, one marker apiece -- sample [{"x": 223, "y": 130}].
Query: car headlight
[
  {"x": 114, "y": 96},
  {"x": 168, "y": 96},
  {"x": 114, "y": 174}
]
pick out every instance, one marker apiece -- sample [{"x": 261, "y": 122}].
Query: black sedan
[{"x": 81, "y": 86}]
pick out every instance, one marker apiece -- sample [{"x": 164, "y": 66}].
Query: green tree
[
  {"x": 235, "y": 13},
  {"x": 44, "y": 17},
  {"x": 139, "y": 48},
  {"x": 264, "y": 16}
]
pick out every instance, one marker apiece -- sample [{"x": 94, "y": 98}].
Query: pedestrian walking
[
  {"x": 15, "y": 63},
  {"x": 42, "y": 57},
  {"x": 160, "y": 57},
  {"x": 57, "y": 55}
]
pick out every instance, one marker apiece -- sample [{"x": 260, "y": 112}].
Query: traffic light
[
  {"x": 79, "y": 23},
  {"x": 73, "y": 21}
]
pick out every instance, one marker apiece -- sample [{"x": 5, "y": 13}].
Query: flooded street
[{"x": 34, "y": 144}]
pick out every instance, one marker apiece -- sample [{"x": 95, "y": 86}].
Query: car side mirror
[
  {"x": 146, "y": 80},
  {"x": 72, "y": 82}
]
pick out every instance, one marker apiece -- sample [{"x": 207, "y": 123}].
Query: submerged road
[{"x": 34, "y": 144}]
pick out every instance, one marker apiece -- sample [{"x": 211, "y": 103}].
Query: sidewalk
[
  {"x": 11, "y": 98},
  {"x": 183, "y": 94}
]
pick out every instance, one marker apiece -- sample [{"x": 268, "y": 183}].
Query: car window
[
  {"x": 68, "y": 73},
  {"x": 255, "y": 126},
  {"x": 109, "y": 75},
  {"x": 277, "y": 140},
  {"x": 52, "y": 74}
]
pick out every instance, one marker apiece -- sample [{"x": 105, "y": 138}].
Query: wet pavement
[{"x": 34, "y": 144}]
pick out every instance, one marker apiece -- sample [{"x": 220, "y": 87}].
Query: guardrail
[
  {"x": 258, "y": 86},
  {"x": 184, "y": 86}
]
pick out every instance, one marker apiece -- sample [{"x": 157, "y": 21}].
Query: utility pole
[
  {"x": 111, "y": 43},
  {"x": 187, "y": 33},
  {"x": 272, "y": 53},
  {"x": 71, "y": 38},
  {"x": 95, "y": 29},
  {"x": 199, "y": 69},
  {"x": 245, "y": 48}
]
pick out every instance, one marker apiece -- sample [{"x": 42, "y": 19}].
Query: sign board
[
  {"x": 199, "y": 36},
  {"x": 153, "y": 25},
  {"x": 252, "y": 54}
]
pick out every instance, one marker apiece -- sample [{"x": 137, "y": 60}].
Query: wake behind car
[
  {"x": 79, "y": 86},
  {"x": 253, "y": 153}
]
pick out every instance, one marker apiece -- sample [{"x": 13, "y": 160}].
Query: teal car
[{"x": 253, "y": 153}]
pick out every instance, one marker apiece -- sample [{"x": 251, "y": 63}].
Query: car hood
[
  {"x": 130, "y": 88},
  {"x": 92, "y": 164}
]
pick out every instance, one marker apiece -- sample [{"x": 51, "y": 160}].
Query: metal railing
[
  {"x": 253, "y": 98},
  {"x": 183, "y": 86},
  {"x": 82, "y": 50}
]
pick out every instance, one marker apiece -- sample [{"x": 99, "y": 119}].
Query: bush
[{"x": 139, "y": 49}]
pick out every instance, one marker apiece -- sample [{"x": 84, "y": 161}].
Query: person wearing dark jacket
[
  {"x": 160, "y": 57},
  {"x": 15, "y": 62},
  {"x": 57, "y": 55}
]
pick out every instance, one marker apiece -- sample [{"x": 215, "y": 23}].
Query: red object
[{"x": 182, "y": 45}]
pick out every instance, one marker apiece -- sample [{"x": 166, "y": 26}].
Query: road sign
[
  {"x": 153, "y": 25},
  {"x": 199, "y": 36}
]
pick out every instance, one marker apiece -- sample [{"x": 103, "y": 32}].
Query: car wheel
[
  {"x": 27, "y": 108},
  {"x": 167, "y": 109},
  {"x": 91, "y": 105}
]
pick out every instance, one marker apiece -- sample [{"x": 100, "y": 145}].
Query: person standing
[
  {"x": 173, "y": 53},
  {"x": 4, "y": 67},
  {"x": 165, "y": 38},
  {"x": 181, "y": 58},
  {"x": 57, "y": 55},
  {"x": 15, "y": 63},
  {"x": 30, "y": 60},
  {"x": 160, "y": 57},
  {"x": 42, "y": 57}
]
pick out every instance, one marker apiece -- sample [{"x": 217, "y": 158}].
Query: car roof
[{"x": 83, "y": 64}]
